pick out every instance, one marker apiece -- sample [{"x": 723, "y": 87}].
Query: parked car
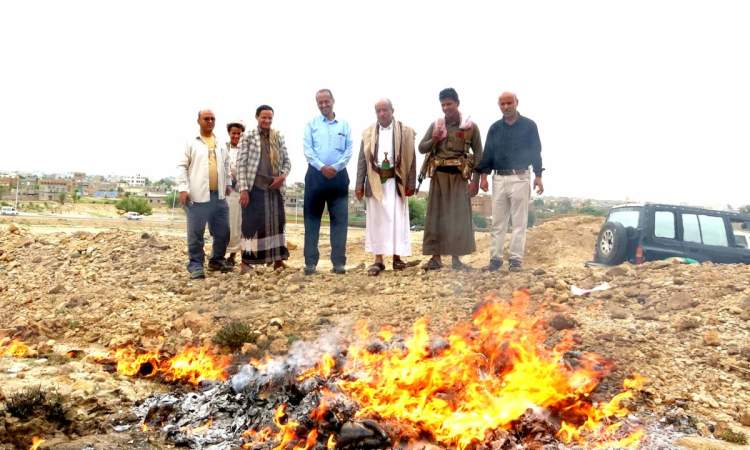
[
  {"x": 132, "y": 215},
  {"x": 649, "y": 232},
  {"x": 8, "y": 211}
]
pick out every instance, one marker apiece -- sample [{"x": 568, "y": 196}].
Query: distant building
[
  {"x": 135, "y": 180},
  {"x": 155, "y": 198},
  {"x": 51, "y": 188},
  {"x": 104, "y": 194},
  {"x": 95, "y": 186},
  {"x": 482, "y": 205}
]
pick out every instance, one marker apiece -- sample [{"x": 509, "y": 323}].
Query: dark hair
[
  {"x": 448, "y": 94},
  {"x": 262, "y": 108},
  {"x": 235, "y": 125},
  {"x": 327, "y": 91}
]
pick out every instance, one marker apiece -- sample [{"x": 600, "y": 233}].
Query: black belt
[
  {"x": 512, "y": 172},
  {"x": 447, "y": 169}
]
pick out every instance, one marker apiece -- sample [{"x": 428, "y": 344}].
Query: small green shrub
[
  {"x": 479, "y": 221},
  {"x": 26, "y": 403},
  {"x": 35, "y": 402},
  {"x": 139, "y": 205},
  {"x": 233, "y": 335},
  {"x": 735, "y": 437}
]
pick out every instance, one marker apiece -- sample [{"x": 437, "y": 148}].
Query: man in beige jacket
[
  {"x": 386, "y": 177},
  {"x": 203, "y": 181}
]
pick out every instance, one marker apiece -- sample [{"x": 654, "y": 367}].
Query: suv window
[
  {"x": 627, "y": 217},
  {"x": 708, "y": 230},
  {"x": 664, "y": 224},
  {"x": 691, "y": 231},
  {"x": 741, "y": 240},
  {"x": 713, "y": 230}
]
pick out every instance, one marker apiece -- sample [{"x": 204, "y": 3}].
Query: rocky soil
[{"x": 684, "y": 327}]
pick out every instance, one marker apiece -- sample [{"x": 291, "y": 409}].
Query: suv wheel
[{"x": 612, "y": 244}]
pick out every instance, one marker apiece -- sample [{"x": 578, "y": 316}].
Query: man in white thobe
[
  {"x": 386, "y": 177},
  {"x": 235, "y": 130}
]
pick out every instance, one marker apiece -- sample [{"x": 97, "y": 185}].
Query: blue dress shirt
[{"x": 328, "y": 143}]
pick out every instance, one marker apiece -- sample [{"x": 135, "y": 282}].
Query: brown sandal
[
  {"x": 399, "y": 264},
  {"x": 375, "y": 269}
]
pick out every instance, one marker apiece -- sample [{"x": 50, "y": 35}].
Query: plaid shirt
[{"x": 249, "y": 158}]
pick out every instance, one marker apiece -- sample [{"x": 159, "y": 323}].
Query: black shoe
[
  {"x": 339, "y": 270},
  {"x": 456, "y": 264},
  {"x": 221, "y": 265},
  {"x": 515, "y": 265},
  {"x": 197, "y": 274},
  {"x": 310, "y": 270},
  {"x": 231, "y": 260},
  {"x": 495, "y": 265}
]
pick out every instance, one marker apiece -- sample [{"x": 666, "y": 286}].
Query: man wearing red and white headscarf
[{"x": 453, "y": 143}]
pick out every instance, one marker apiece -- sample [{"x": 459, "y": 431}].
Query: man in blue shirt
[{"x": 328, "y": 148}]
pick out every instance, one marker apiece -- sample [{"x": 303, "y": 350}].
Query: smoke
[{"x": 302, "y": 355}]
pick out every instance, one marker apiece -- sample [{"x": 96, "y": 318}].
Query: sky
[{"x": 636, "y": 100}]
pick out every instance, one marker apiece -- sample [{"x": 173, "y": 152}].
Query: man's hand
[
  {"x": 473, "y": 189},
  {"x": 409, "y": 192},
  {"x": 359, "y": 193},
  {"x": 277, "y": 182},
  {"x": 184, "y": 198},
  {"x": 539, "y": 185},
  {"x": 483, "y": 184},
  {"x": 328, "y": 171},
  {"x": 436, "y": 138},
  {"x": 244, "y": 199}
]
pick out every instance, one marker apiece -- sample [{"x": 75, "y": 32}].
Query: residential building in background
[
  {"x": 51, "y": 188},
  {"x": 135, "y": 180}
]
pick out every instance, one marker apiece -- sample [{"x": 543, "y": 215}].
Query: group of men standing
[{"x": 238, "y": 189}]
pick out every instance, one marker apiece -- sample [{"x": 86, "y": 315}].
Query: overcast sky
[{"x": 638, "y": 100}]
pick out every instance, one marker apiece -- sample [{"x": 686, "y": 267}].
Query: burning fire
[
  {"x": 191, "y": 365},
  {"x": 484, "y": 376},
  {"x": 15, "y": 348},
  {"x": 287, "y": 433},
  {"x": 36, "y": 442}
]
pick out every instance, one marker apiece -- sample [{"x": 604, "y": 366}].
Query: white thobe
[{"x": 387, "y": 220}]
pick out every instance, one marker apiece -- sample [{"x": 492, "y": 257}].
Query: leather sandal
[
  {"x": 375, "y": 269},
  {"x": 398, "y": 264}
]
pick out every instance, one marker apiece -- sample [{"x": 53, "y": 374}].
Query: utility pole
[
  {"x": 171, "y": 211},
  {"x": 18, "y": 183}
]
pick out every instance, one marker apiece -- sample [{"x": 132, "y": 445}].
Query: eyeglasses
[{"x": 209, "y": 119}]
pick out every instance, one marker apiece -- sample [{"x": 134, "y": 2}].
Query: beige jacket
[
  {"x": 192, "y": 170},
  {"x": 406, "y": 170}
]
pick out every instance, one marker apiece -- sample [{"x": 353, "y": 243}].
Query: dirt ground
[{"x": 96, "y": 284}]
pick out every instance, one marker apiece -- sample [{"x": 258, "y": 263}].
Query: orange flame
[
  {"x": 15, "y": 349},
  {"x": 482, "y": 377},
  {"x": 323, "y": 369},
  {"x": 36, "y": 442},
  {"x": 191, "y": 365}
]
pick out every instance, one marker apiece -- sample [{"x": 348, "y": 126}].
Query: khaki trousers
[
  {"x": 510, "y": 202},
  {"x": 235, "y": 222}
]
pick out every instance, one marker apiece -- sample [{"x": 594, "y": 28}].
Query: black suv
[{"x": 648, "y": 232}]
